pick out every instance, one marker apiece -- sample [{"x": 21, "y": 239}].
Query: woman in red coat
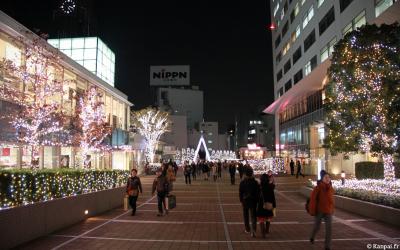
[{"x": 322, "y": 207}]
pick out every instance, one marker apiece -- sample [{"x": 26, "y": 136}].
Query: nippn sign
[{"x": 176, "y": 75}]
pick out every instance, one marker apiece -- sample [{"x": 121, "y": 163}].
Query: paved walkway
[{"x": 208, "y": 216}]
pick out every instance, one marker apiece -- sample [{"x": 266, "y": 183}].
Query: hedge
[
  {"x": 21, "y": 187},
  {"x": 373, "y": 170}
]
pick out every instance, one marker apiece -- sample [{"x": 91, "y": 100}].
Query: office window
[
  {"x": 278, "y": 57},
  {"x": 308, "y": 16},
  {"x": 295, "y": 34},
  {"x": 296, "y": 55},
  {"x": 295, "y": 12},
  {"x": 285, "y": 28},
  {"x": 382, "y": 5},
  {"x": 288, "y": 85},
  {"x": 280, "y": 92},
  {"x": 209, "y": 142},
  {"x": 310, "y": 65},
  {"x": 357, "y": 22},
  {"x": 276, "y": 8},
  {"x": 298, "y": 76},
  {"x": 327, "y": 20},
  {"x": 320, "y": 2},
  {"x": 287, "y": 66},
  {"x": 286, "y": 48},
  {"x": 13, "y": 54},
  {"x": 309, "y": 41},
  {"x": 279, "y": 75},
  {"x": 277, "y": 41},
  {"x": 328, "y": 49},
  {"x": 344, "y": 4}
]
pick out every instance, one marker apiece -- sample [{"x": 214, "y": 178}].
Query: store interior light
[{"x": 86, "y": 212}]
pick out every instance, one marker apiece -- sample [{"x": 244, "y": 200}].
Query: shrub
[
  {"x": 373, "y": 170},
  {"x": 21, "y": 187}
]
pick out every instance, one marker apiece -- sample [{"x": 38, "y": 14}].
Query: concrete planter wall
[
  {"x": 22, "y": 224},
  {"x": 379, "y": 212}
]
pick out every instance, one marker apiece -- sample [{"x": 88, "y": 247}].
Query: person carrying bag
[{"x": 133, "y": 187}]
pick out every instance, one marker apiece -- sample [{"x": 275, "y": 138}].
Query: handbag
[{"x": 268, "y": 206}]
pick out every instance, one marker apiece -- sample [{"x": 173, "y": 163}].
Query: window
[
  {"x": 296, "y": 55},
  {"x": 280, "y": 92},
  {"x": 298, "y": 76},
  {"x": 278, "y": 57},
  {"x": 279, "y": 75},
  {"x": 382, "y": 5},
  {"x": 344, "y": 4},
  {"x": 310, "y": 65},
  {"x": 287, "y": 66},
  {"x": 294, "y": 13},
  {"x": 13, "y": 54},
  {"x": 210, "y": 133},
  {"x": 285, "y": 28},
  {"x": 277, "y": 41},
  {"x": 357, "y": 22},
  {"x": 309, "y": 41},
  {"x": 288, "y": 85},
  {"x": 276, "y": 9},
  {"x": 308, "y": 16},
  {"x": 320, "y": 2},
  {"x": 295, "y": 34},
  {"x": 327, "y": 50},
  {"x": 286, "y": 48},
  {"x": 209, "y": 142},
  {"x": 327, "y": 20}
]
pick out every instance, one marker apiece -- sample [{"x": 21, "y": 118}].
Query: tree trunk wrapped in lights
[
  {"x": 363, "y": 94},
  {"x": 92, "y": 123},
  {"x": 33, "y": 81},
  {"x": 151, "y": 123}
]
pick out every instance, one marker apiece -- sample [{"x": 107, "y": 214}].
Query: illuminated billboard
[{"x": 91, "y": 53}]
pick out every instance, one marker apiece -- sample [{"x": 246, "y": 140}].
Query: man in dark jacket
[
  {"x": 232, "y": 172},
  {"x": 160, "y": 184},
  {"x": 291, "y": 167},
  {"x": 249, "y": 193}
]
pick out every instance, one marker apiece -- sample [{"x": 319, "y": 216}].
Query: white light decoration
[
  {"x": 93, "y": 123},
  {"x": 263, "y": 165},
  {"x": 151, "y": 123},
  {"x": 196, "y": 153}
]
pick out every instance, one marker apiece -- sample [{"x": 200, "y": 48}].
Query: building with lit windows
[
  {"x": 80, "y": 78},
  {"x": 303, "y": 39}
]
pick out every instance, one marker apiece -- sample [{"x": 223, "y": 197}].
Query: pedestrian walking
[
  {"x": 299, "y": 170},
  {"x": 214, "y": 171},
  {"x": 291, "y": 167},
  {"x": 160, "y": 184},
  {"x": 240, "y": 170},
  {"x": 249, "y": 194},
  {"x": 219, "y": 169},
  {"x": 232, "y": 172},
  {"x": 204, "y": 169},
  {"x": 133, "y": 187},
  {"x": 187, "y": 171},
  {"x": 322, "y": 207},
  {"x": 171, "y": 178},
  {"x": 266, "y": 204},
  {"x": 194, "y": 170}
]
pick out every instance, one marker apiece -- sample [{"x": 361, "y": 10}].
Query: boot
[
  {"x": 267, "y": 224},
  {"x": 262, "y": 227}
]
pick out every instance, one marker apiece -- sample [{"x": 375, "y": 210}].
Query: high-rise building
[
  {"x": 182, "y": 101},
  {"x": 303, "y": 40}
]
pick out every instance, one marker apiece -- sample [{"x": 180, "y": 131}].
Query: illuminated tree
[
  {"x": 33, "y": 81},
  {"x": 151, "y": 123},
  {"x": 93, "y": 126},
  {"x": 363, "y": 95}
]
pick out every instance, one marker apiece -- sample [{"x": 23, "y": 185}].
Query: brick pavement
[{"x": 208, "y": 216}]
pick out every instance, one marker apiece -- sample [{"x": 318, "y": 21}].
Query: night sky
[{"x": 226, "y": 43}]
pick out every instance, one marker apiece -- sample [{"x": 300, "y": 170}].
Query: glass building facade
[{"x": 91, "y": 53}]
